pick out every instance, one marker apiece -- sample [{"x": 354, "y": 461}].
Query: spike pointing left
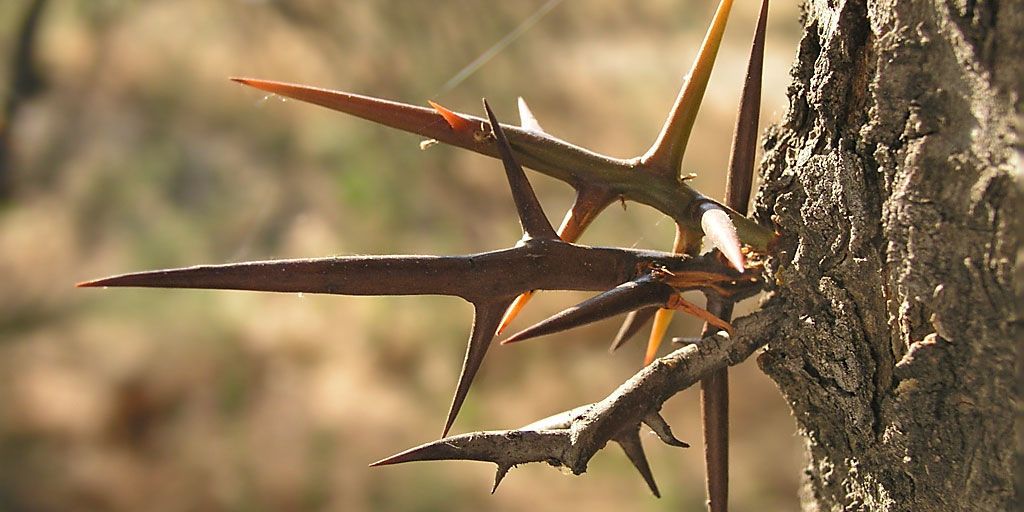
[{"x": 531, "y": 215}]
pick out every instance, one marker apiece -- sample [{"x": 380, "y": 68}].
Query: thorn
[
  {"x": 634, "y": 449},
  {"x": 527, "y": 120},
  {"x": 531, "y": 214},
  {"x": 485, "y": 322},
  {"x": 666, "y": 155},
  {"x": 633, "y": 323},
  {"x": 662, "y": 319},
  {"x": 625, "y": 297},
  {"x": 677, "y": 302},
  {"x": 442, "y": 449},
  {"x": 744, "y": 143},
  {"x": 499, "y": 476},
  {"x": 590, "y": 201},
  {"x": 660, "y": 427},
  {"x": 352, "y": 275},
  {"x": 721, "y": 232},
  {"x": 411, "y": 118},
  {"x": 457, "y": 122}
]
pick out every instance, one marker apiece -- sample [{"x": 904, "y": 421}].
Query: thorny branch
[
  {"x": 572, "y": 438},
  {"x": 643, "y": 283}
]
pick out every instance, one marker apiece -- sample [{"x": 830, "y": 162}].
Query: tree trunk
[{"x": 895, "y": 181}]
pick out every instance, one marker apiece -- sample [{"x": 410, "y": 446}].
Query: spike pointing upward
[
  {"x": 531, "y": 215},
  {"x": 666, "y": 155},
  {"x": 527, "y": 120}
]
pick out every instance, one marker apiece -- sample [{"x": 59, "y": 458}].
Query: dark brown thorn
[
  {"x": 499, "y": 476},
  {"x": 621, "y": 299},
  {"x": 355, "y": 275},
  {"x": 715, "y": 388},
  {"x": 744, "y": 143},
  {"x": 635, "y": 321},
  {"x": 527, "y": 120},
  {"x": 664, "y": 432},
  {"x": 629, "y": 440},
  {"x": 485, "y": 321},
  {"x": 531, "y": 214}
]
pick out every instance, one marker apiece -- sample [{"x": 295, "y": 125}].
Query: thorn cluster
[{"x": 644, "y": 284}]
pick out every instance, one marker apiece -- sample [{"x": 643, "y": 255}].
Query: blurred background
[{"x": 124, "y": 147}]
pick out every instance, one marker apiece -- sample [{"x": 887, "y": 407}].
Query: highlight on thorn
[{"x": 454, "y": 120}]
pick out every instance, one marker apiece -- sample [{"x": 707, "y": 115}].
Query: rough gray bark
[{"x": 895, "y": 181}]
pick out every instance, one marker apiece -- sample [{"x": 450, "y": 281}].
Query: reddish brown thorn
[
  {"x": 621, "y": 299},
  {"x": 457, "y": 122},
  {"x": 632, "y": 325},
  {"x": 420, "y": 120},
  {"x": 531, "y": 214},
  {"x": 681, "y": 304}
]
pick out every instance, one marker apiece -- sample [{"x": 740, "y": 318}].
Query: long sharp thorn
[
  {"x": 721, "y": 232},
  {"x": 537, "y": 150},
  {"x": 356, "y": 275},
  {"x": 621, "y": 299},
  {"x": 666, "y": 155},
  {"x": 589, "y": 203},
  {"x": 531, "y": 214},
  {"x": 527, "y": 120},
  {"x": 485, "y": 322},
  {"x": 744, "y": 142},
  {"x": 420, "y": 120},
  {"x": 635, "y": 321},
  {"x": 715, "y": 389},
  {"x": 630, "y": 443}
]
